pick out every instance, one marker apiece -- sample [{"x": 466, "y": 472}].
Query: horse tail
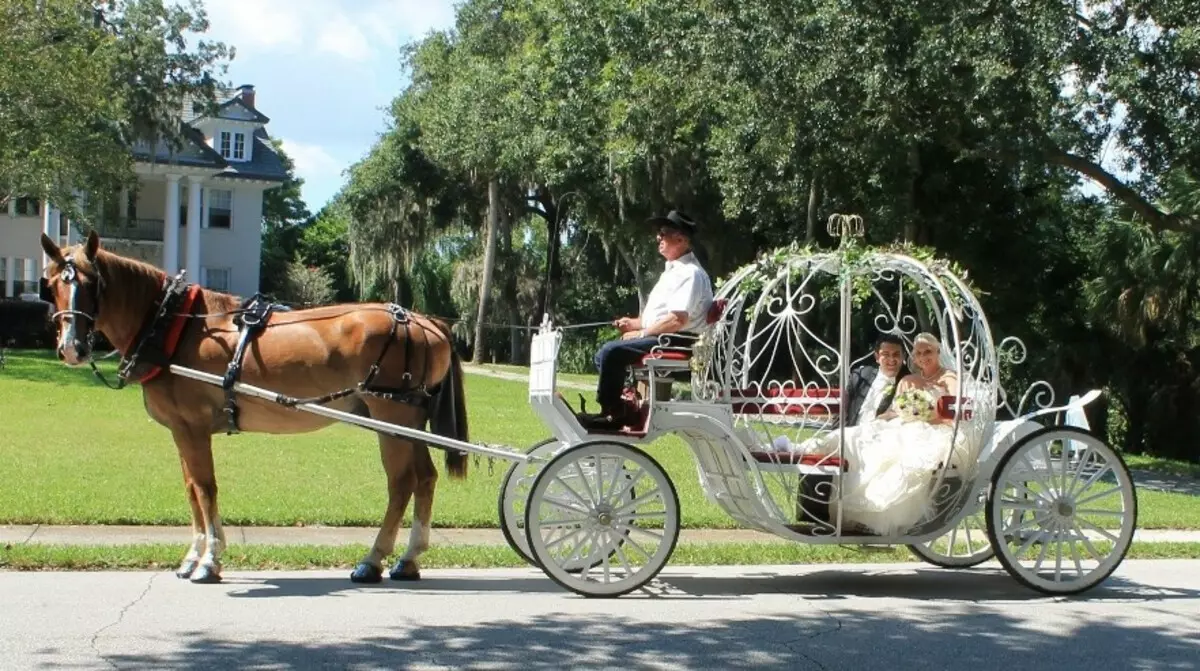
[{"x": 448, "y": 416}]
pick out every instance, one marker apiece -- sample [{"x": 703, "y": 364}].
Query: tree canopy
[{"x": 82, "y": 80}]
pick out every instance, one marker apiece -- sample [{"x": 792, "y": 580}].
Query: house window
[
  {"x": 220, "y": 208},
  {"x": 28, "y": 207},
  {"x": 216, "y": 279},
  {"x": 3, "y": 277},
  {"x": 233, "y": 145},
  {"x": 25, "y": 276}
]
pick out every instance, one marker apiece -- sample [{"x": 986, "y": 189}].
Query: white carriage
[{"x": 765, "y": 383}]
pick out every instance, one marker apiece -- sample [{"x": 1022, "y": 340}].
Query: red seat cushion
[
  {"x": 668, "y": 355},
  {"x": 800, "y": 459}
]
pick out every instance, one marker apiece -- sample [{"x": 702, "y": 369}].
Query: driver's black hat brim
[{"x": 676, "y": 220}]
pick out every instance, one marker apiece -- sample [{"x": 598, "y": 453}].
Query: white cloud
[
  {"x": 312, "y": 161},
  {"x": 255, "y": 25},
  {"x": 339, "y": 28},
  {"x": 340, "y": 36}
]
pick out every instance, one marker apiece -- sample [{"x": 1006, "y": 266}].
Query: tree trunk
[
  {"x": 814, "y": 195},
  {"x": 911, "y": 229},
  {"x": 489, "y": 264}
]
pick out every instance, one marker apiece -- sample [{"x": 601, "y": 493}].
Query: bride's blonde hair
[{"x": 927, "y": 338}]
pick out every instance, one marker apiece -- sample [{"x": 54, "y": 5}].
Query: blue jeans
[
  {"x": 613, "y": 360},
  {"x": 616, "y": 356}
]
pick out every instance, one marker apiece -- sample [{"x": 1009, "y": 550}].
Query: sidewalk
[{"x": 133, "y": 535}]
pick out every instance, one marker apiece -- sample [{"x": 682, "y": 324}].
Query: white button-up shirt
[
  {"x": 874, "y": 397},
  {"x": 683, "y": 287}
]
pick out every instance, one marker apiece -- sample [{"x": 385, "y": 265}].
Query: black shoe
[{"x": 599, "y": 421}]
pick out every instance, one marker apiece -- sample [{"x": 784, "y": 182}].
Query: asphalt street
[{"x": 1146, "y": 616}]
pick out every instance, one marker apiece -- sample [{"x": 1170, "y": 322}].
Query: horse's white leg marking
[
  {"x": 214, "y": 539},
  {"x": 385, "y": 544},
  {"x": 193, "y": 555},
  {"x": 418, "y": 541}
]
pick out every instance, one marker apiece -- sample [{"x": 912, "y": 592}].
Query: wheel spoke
[
  {"x": 632, "y": 505},
  {"x": 565, "y": 505},
  {"x": 1093, "y": 497},
  {"x": 591, "y": 500},
  {"x": 587, "y": 504},
  {"x": 1102, "y": 532},
  {"x": 1093, "y": 478}
]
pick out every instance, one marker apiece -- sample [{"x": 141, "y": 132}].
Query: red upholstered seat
[{"x": 799, "y": 459}]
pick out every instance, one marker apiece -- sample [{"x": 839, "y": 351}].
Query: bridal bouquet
[{"x": 915, "y": 405}]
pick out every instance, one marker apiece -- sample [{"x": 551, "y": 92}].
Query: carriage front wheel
[
  {"x": 1061, "y": 511},
  {"x": 586, "y": 532}
]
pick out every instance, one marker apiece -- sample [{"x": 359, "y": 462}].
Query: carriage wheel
[
  {"x": 514, "y": 490},
  {"x": 964, "y": 546},
  {"x": 1064, "y": 504},
  {"x": 586, "y": 532}
]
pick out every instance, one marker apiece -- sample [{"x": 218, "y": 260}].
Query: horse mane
[{"x": 140, "y": 284}]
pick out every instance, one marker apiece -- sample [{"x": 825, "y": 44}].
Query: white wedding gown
[{"x": 892, "y": 468}]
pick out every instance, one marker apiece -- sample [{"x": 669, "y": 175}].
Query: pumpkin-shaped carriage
[{"x": 795, "y": 434}]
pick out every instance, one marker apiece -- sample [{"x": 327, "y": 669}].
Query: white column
[
  {"x": 193, "y": 229},
  {"x": 10, "y": 269},
  {"x": 50, "y": 228},
  {"x": 12, "y": 206},
  {"x": 171, "y": 227}
]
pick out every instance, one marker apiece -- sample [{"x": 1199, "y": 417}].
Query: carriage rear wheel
[
  {"x": 1064, "y": 505},
  {"x": 586, "y": 531},
  {"x": 963, "y": 546}
]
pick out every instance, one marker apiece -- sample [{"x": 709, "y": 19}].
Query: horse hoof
[
  {"x": 366, "y": 573},
  {"x": 405, "y": 570},
  {"x": 186, "y": 569},
  {"x": 206, "y": 575}
]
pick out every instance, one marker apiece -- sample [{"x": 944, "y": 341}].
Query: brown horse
[{"x": 409, "y": 360}]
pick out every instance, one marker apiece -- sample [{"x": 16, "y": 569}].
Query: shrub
[
  {"x": 307, "y": 285},
  {"x": 26, "y": 325}
]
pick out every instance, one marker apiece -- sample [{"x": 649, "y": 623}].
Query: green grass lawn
[{"x": 74, "y": 452}]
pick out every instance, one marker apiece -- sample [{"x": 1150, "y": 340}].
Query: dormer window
[{"x": 233, "y": 145}]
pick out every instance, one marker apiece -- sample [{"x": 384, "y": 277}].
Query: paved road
[{"x": 811, "y": 617}]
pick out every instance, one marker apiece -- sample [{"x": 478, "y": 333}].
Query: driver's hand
[{"x": 623, "y": 324}]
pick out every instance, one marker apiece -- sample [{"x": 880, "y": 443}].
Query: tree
[
  {"x": 284, "y": 216},
  {"x": 82, "y": 80}
]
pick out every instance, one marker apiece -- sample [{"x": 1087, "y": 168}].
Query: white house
[{"x": 199, "y": 208}]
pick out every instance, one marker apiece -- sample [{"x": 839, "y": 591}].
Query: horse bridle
[{"x": 70, "y": 275}]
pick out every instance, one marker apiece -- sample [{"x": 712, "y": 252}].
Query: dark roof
[
  {"x": 227, "y": 98},
  {"x": 264, "y": 164}
]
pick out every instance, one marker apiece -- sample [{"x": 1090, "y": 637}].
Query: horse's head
[{"x": 75, "y": 286}]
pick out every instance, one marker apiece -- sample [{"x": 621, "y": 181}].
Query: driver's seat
[{"x": 671, "y": 360}]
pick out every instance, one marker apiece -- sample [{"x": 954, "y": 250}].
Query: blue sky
[{"x": 324, "y": 71}]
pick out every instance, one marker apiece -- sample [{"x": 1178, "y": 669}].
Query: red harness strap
[{"x": 175, "y": 332}]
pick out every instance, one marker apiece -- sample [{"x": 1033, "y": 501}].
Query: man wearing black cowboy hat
[{"x": 678, "y": 303}]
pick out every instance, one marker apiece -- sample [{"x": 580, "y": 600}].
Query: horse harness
[{"x": 158, "y": 338}]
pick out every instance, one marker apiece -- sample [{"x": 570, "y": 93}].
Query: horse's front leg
[
  {"x": 195, "y": 449},
  {"x": 407, "y": 567},
  {"x": 192, "y": 559}
]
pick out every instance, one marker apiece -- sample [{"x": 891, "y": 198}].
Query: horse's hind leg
[
  {"x": 406, "y": 567},
  {"x": 396, "y": 454},
  {"x": 195, "y": 449}
]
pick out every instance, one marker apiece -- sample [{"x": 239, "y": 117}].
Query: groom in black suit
[{"x": 872, "y": 387}]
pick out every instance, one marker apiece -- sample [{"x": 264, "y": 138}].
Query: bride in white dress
[{"x": 893, "y": 459}]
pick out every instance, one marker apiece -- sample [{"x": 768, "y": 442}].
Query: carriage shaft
[{"x": 388, "y": 428}]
